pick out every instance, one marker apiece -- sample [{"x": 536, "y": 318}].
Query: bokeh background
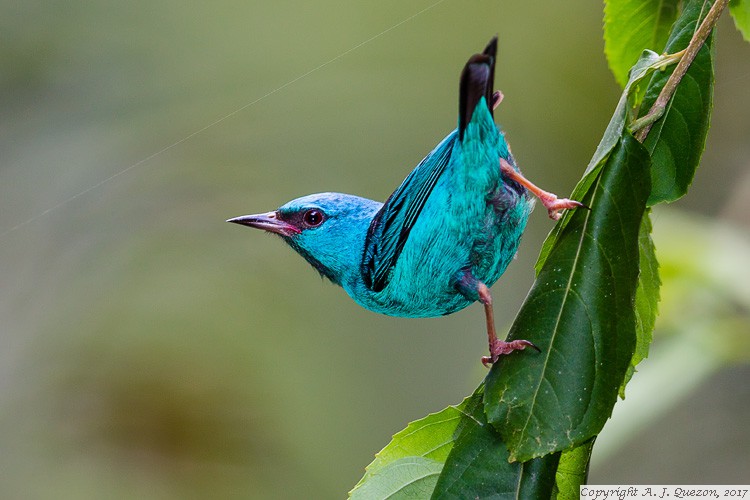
[{"x": 149, "y": 350}]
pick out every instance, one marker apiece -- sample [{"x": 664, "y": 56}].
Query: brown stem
[{"x": 699, "y": 38}]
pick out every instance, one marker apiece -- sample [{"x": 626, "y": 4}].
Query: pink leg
[
  {"x": 497, "y": 347},
  {"x": 551, "y": 202}
]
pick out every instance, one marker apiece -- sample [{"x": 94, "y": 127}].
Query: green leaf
[
  {"x": 410, "y": 477},
  {"x": 646, "y": 65},
  {"x": 581, "y": 313},
  {"x": 478, "y": 467},
  {"x": 676, "y": 141},
  {"x": 630, "y": 26},
  {"x": 632, "y": 98},
  {"x": 408, "y": 467},
  {"x": 646, "y": 297},
  {"x": 740, "y": 10},
  {"x": 572, "y": 471}
]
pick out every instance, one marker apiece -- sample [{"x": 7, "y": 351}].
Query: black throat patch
[{"x": 323, "y": 270}]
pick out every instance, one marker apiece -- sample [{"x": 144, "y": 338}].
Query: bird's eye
[{"x": 313, "y": 217}]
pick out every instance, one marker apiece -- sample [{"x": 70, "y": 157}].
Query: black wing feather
[{"x": 390, "y": 228}]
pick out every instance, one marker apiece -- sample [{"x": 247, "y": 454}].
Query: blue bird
[{"x": 443, "y": 237}]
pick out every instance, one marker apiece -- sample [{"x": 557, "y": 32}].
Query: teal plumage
[
  {"x": 442, "y": 238},
  {"x": 459, "y": 229}
]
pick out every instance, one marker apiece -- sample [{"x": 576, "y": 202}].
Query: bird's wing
[{"x": 390, "y": 227}]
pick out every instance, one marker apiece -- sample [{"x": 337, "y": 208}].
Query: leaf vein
[{"x": 562, "y": 305}]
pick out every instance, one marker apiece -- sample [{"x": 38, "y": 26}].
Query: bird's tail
[{"x": 477, "y": 81}]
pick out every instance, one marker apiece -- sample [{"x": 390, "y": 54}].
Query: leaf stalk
[{"x": 643, "y": 124}]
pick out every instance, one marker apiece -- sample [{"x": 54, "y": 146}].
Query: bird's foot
[
  {"x": 501, "y": 348},
  {"x": 553, "y": 204},
  {"x": 497, "y": 98}
]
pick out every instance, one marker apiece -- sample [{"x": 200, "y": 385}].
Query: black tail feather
[{"x": 477, "y": 81}]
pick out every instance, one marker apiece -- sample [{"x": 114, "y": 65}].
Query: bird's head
[{"x": 327, "y": 229}]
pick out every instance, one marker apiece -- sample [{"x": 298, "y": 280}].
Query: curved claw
[
  {"x": 497, "y": 98},
  {"x": 553, "y": 204},
  {"x": 502, "y": 348}
]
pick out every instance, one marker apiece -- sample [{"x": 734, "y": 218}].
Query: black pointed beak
[{"x": 268, "y": 222}]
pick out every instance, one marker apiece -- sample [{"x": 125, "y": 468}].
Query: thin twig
[{"x": 696, "y": 42}]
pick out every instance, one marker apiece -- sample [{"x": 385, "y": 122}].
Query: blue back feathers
[{"x": 391, "y": 226}]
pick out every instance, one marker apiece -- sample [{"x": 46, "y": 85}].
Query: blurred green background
[{"x": 150, "y": 350}]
